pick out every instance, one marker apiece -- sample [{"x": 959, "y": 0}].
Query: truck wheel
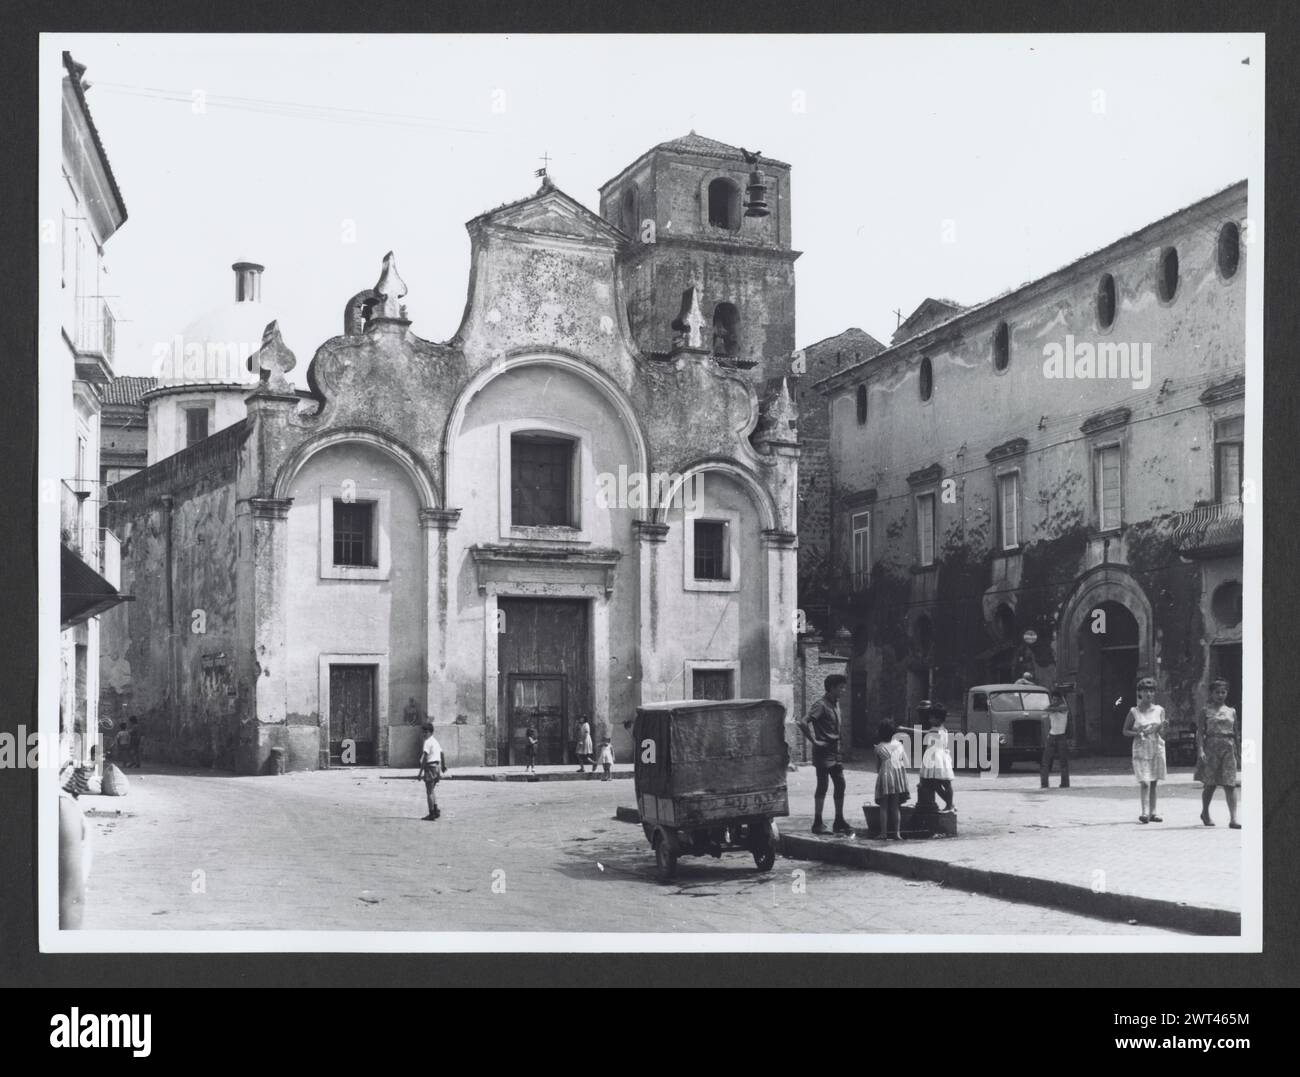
[
  {"x": 765, "y": 841},
  {"x": 665, "y": 856}
]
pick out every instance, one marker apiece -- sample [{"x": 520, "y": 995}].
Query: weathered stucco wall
[
  {"x": 723, "y": 626},
  {"x": 167, "y": 430},
  {"x": 361, "y": 617},
  {"x": 170, "y": 656},
  {"x": 541, "y": 398},
  {"x": 1195, "y": 341},
  {"x": 543, "y": 346}
]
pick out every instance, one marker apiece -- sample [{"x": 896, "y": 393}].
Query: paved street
[{"x": 347, "y": 850}]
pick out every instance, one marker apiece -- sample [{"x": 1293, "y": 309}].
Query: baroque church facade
[{"x": 582, "y": 501}]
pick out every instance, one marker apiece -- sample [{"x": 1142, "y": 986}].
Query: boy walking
[{"x": 432, "y": 767}]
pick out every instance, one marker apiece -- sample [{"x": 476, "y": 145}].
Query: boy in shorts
[{"x": 432, "y": 767}]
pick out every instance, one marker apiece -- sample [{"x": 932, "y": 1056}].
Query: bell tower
[{"x": 702, "y": 214}]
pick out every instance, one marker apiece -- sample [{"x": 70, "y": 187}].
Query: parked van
[{"x": 1016, "y": 714}]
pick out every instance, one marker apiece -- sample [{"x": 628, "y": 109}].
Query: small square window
[
  {"x": 711, "y": 684},
  {"x": 711, "y": 550},
  {"x": 354, "y": 533}
]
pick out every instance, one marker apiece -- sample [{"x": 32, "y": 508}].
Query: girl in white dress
[
  {"x": 936, "y": 760},
  {"x": 1147, "y": 725}
]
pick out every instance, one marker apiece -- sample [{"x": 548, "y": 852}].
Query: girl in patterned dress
[
  {"x": 1216, "y": 752},
  {"x": 891, "y": 781},
  {"x": 1147, "y": 725}
]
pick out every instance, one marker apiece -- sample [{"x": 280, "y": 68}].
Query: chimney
[{"x": 248, "y": 282}]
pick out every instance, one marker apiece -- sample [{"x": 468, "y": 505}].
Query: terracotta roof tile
[{"x": 127, "y": 390}]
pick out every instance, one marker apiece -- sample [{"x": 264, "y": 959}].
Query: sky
[{"x": 947, "y": 166}]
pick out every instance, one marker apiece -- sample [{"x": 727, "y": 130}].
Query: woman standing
[
  {"x": 1147, "y": 725},
  {"x": 582, "y": 746},
  {"x": 1216, "y": 752}
]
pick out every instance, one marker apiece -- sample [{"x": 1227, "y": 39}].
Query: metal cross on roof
[{"x": 545, "y": 158}]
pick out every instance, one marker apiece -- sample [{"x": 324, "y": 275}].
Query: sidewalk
[{"x": 1080, "y": 849}]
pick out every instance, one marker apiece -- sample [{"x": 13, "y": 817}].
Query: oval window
[
  {"x": 1229, "y": 249},
  {"x": 862, "y": 405},
  {"x": 927, "y": 378},
  {"x": 1168, "y": 273},
  {"x": 1225, "y": 604},
  {"x": 1106, "y": 301},
  {"x": 1001, "y": 346}
]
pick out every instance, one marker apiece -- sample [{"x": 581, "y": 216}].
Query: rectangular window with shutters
[
  {"x": 712, "y": 560},
  {"x": 1109, "y": 483},
  {"x": 860, "y": 526},
  {"x": 1009, "y": 510},
  {"x": 541, "y": 481},
  {"x": 925, "y": 529},
  {"x": 1228, "y": 438},
  {"x": 354, "y": 533},
  {"x": 196, "y": 425}
]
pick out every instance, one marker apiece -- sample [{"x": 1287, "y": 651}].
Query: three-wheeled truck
[{"x": 710, "y": 775}]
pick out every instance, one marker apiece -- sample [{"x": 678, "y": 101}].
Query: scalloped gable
[{"x": 551, "y": 212}]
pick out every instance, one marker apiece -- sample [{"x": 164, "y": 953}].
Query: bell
[{"x": 756, "y": 190}]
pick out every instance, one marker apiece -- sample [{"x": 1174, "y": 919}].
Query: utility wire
[{"x": 290, "y": 109}]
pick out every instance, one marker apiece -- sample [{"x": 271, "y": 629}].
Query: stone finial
[
  {"x": 274, "y": 360},
  {"x": 690, "y": 322},
  {"x": 391, "y": 289},
  {"x": 778, "y": 418}
]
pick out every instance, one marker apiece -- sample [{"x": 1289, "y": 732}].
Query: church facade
[{"x": 583, "y": 500}]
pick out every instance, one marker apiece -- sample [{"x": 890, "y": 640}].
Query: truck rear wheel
[
  {"x": 764, "y": 845},
  {"x": 665, "y": 855}
]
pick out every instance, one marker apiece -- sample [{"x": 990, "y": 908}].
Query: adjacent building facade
[
  {"x": 584, "y": 500},
  {"x": 1051, "y": 482},
  {"x": 124, "y": 428},
  {"x": 91, "y": 211}
]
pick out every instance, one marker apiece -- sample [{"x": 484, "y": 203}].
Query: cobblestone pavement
[
  {"x": 1088, "y": 835},
  {"x": 347, "y": 850}
]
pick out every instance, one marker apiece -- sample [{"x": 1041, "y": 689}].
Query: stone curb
[
  {"x": 564, "y": 776},
  {"x": 1158, "y": 912}
]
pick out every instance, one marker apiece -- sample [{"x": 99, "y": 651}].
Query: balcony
[
  {"x": 95, "y": 339},
  {"x": 1209, "y": 530},
  {"x": 97, "y": 546}
]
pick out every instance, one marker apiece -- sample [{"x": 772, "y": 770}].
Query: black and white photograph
[{"x": 628, "y": 493}]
